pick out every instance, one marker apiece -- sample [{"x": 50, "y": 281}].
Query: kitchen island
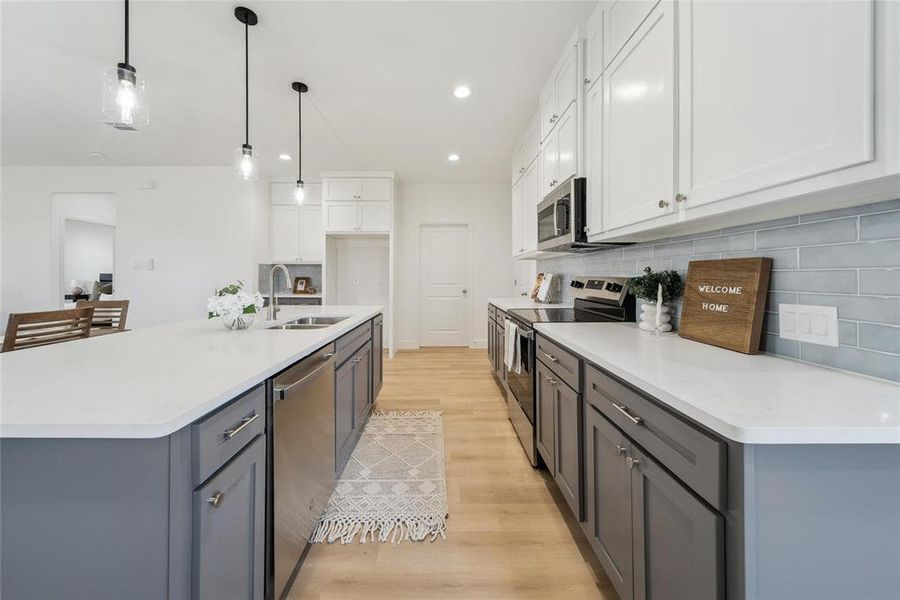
[
  {"x": 138, "y": 465},
  {"x": 697, "y": 472}
]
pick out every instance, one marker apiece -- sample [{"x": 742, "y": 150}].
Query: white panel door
[
  {"x": 375, "y": 216},
  {"x": 757, "y": 112},
  {"x": 312, "y": 236},
  {"x": 342, "y": 189},
  {"x": 567, "y": 145},
  {"x": 285, "y": 233},
  {"x": 518, "y": 218},
  {"x": 340, "y": 216},
  {"x": 593, "y": 145},
  {"x": 444, "y": 276},
  {"x": 531, "y": 196},
  {"x": 376, "y": 188},
  {"x": 639, "y": 123}
]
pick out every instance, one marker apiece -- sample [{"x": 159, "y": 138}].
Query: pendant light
[
  {"x": 247, "y": 164},
  {"x": 124, "y": 93},
  {"x": 300, "y": 88}
]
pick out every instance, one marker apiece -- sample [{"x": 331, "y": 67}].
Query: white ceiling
[{"x": 381, "y": 77}]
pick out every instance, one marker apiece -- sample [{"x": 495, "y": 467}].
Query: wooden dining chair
[
  {"x": 29, "y": 330},
  {"x": 109, "y": 315}
]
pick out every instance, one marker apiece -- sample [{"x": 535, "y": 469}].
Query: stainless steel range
[{"x": 597, "y": 300}]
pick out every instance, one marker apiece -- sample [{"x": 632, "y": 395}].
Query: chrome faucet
[{"x": 272, "y": 310}]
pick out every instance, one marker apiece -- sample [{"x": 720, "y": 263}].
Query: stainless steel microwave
[{"x": 562, "y": 218}]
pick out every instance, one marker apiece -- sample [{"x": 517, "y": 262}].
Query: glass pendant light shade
[
  {"x": 299, "y": 193},
  {"x": 246, "y": 163},
  {"x": 125, "y": 98}
]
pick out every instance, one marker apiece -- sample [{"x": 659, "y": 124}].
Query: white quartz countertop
[
  {"x": 151, "y": 382},
  {"x": 523, "y": 302},
  {"x": 759, "y": 399}
]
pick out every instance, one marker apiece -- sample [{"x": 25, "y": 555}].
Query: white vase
[{"x": 647, "y": 320}]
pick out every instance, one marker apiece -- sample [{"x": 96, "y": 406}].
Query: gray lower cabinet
[
  {"x": 558, "y": 433},
  {"x": 229, "y": 529},
  {"x": 654, "y": 537},
  {"x": 377, "y": 355},
  {"x": 362, "y": 397},
  {"x": 544, "y": 428},
  {"x": 353, "y": 397}
]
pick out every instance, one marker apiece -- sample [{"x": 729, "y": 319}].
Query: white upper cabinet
[
  {"x": 560, "y": 91},
  {"x": 772, "y": 92},
  {"x": 340, "y": 216},
  {"x": 296, "y": 231},
  {"x": 593, "y": 53},
  {"x": 341, "y": 189},
  {"x": 525, "y": 198},
  {"x": 312, "y": 236},
  {"x": 358, "y": 188},
  {"x": 357, "y": 204},
  {"x": 375, "y": 216},
  {"x": 559, "y": 154},
  {"x": 518, "y": 218},
  {"x": 282, "y": 193},
  {"x": 528, "y": 149},
  {"x": 593, "y": 146},
  {"x": 639, "y": 123},
  {"x": 620, "y": 20},
  {"x": 285, "y": 232},
  {"x": 549, "y": 157},
  {"x": 376, "y": 189}
]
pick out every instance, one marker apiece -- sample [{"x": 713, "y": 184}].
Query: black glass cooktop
[{"x": 585, "y": 311}]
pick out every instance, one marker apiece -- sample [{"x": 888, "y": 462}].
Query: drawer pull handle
[
  {"x": 551, "y": 358},
  {"x": 620, "y": 450},
  {"x": 624, "y": 410},
  {"x": 216, "y": 499},
  {"x": 632, "y": 461},
  {"x": 230, "y": 433}
]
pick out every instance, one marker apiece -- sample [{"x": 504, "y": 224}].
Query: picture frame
[{"x": 302, "y": 285}]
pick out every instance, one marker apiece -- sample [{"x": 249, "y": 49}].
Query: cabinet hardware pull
[
  {"x": 551, "y": 357},
  {"x": 216, "y": 499},
  {"x": 587, "y": 81},
  {"x": 624, "y": 410},
  {"x": 663, "y": 204},
  {"x": 230, "y": 433},
  {"x": 680, "y": 198},
  {"x": 632, "y": 462},
  {"x": 620, "y": 449}
]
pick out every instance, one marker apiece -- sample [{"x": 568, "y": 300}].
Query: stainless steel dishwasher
[{"x": 303, "y": 457}]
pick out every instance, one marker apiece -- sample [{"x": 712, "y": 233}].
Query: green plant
[{"x": 646, "y": 285}]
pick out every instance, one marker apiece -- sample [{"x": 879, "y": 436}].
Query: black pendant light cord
[
  {"x": 246, "y": 85},
  {"x": 126, "y": 32},
  {"x": 299, "y": 135}
]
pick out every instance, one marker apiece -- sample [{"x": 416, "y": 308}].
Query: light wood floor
[{"x": 506, "y": 536}]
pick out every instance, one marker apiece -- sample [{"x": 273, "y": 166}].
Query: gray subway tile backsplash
[{"x": 849, "y": 258}]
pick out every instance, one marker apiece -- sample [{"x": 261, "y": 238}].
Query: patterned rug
[{"x": 393, "y": 487}]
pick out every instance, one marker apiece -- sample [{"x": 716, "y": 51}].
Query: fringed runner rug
[{"x": 393, "y": 487}]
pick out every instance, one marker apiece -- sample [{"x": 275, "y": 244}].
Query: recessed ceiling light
[
  {"x": 453, "y": 157},
  {"x": 462, "y": 91},
  {"x": 284, "y": 156}
]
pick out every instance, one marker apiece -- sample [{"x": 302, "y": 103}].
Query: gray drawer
[
  {"x": 564, "y": 364},
  {"x": 218, "y": 437},
  {"x": 691, "y": 454},
  {"x": 347, "y": 345}
]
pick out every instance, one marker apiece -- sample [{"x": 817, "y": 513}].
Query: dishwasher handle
[{"x": 282, "y": 390}]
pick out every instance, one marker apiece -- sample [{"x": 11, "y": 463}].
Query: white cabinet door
[
  {"x": 547, "y": 101},
  {"x": 344, "y": 188},
  {"x": 620, "y": 21},
  {"x": 375, "y": 216},
  {"x": 566, "y": 81},
  {"x": 593, "y": 146},
  {"x": 340, "y": 216},
  {"x": 531, "y": 196},
  {"x": 760, "y": 112},
  {"x": 567, "y": 145},
  {"x": 285, "y": 233},
  {"x": 549, "y": 156},
  {"x": 593, "y": 59},
  {"x": 639, "y": 123},
  {"x": 312, "y": 194},
  {"x": 312, "y": 236},
  {"x": 518, "y": 218},
  {"x": 531, "y": 143},
  {"x": 282, "y": 193},
  {"x": 376, "y": 188}
]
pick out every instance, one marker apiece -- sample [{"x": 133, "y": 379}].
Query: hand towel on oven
[{"x": 511, "y": 347}]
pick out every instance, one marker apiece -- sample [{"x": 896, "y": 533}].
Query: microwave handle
[{"x": 556, "y": 219}]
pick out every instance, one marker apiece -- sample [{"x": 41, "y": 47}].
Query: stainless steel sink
[{"x": 309, "y": 323}]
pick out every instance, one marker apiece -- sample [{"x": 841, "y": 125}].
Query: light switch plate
[
  {"x": 808, "y": 323},
  {"x": 142, "y": 264}
]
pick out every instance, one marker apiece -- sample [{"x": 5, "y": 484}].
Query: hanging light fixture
[
  {"x": 247, "y": 166},
  {"x": 300, "y": 88},
  {"x": 124, "y": 93}
]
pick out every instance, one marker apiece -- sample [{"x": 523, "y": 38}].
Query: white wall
[
  {"x": 486, "y": 209},
  {"x": 201, "y": 225},
  {"x": 88, "y": 250}
]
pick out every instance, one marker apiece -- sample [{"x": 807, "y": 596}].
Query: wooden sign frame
[{"x": 724, "y": 302}]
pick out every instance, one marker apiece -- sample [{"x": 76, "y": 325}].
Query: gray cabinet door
[
  {"x": 678, "y": 539},
  {"x": 377, "y": 357},
  {"x": 567, "y": 432},
  {"x": 544, "y": 426},
  {"x": 490, "y": 341},
  {"x": 229, "y": 529},
  {"x": 343, "y": 413},
  {"x": 608, "y": 499},
  {"x": 362, "y": 386}
]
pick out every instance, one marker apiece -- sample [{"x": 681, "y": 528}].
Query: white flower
[{"x": 234, "y": 305}]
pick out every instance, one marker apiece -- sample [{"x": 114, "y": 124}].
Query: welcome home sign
[{"x": 724, "y": 301}]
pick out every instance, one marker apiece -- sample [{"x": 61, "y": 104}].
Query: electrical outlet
[{"x": 808, "y": 323}]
